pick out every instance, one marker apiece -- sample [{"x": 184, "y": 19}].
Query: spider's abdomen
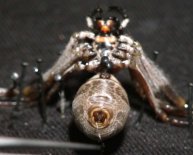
[{"x": 101, "y": 107}]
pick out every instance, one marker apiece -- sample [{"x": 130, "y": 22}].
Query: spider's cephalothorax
[{"x": 112, "y": 21}]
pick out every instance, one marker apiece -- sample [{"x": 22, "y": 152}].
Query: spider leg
[
  {"x": 152, "y": 84},
  {"x": 74, "y": 51},
  {"x": 173, "y": 110},
  {"x": 77, "y": 49}
]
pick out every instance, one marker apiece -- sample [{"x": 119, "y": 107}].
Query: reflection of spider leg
[{"x": 152, "y": 84}]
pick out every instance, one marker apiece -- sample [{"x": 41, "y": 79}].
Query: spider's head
[{"x": 112, "y": 21}]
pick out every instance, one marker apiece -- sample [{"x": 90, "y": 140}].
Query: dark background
[{"x": 33, "y": 28}]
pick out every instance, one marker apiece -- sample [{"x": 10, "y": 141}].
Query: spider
[{"x": 101, "y": 105}]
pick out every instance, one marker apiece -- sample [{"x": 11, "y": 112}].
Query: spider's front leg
[
  {"x": 82, "y": 58},
  {"x": 152, "y": 84}
]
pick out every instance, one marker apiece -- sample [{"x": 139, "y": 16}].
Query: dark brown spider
[{"x": 101, "y": 105}]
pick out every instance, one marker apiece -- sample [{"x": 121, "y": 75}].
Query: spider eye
[
  {"x": 100, "y": 23},
  {"x": 110, "y": 23}
]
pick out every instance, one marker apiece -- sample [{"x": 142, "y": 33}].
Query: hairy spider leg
[
  {"x": 68, "y": 62},
  {"x": 142, "y": 106},
  {"x": 168, "y": 91},
  {"x": 152, "y": 84}
]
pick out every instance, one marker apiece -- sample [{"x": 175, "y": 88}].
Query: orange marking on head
[{"x": 105, "y": 29}]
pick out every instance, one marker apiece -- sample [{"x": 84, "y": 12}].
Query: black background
[{"x": 32, "y": 29}]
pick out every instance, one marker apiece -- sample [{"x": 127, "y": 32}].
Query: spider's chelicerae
[{"x": 101, "y": 105}]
